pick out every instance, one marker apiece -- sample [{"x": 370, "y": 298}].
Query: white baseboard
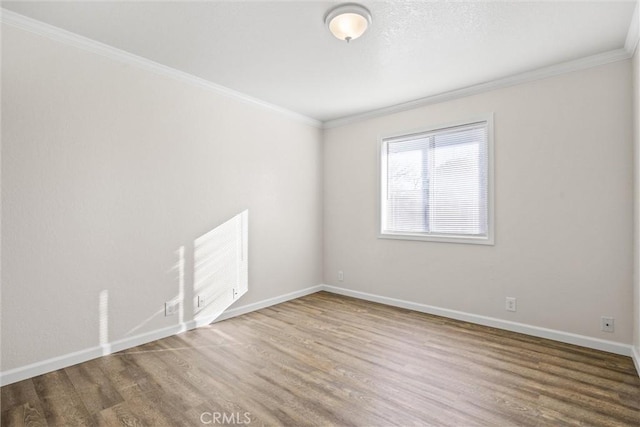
[
  {"x": 635, "y": 356},
  {"x": 566, "y": 337},
  {"x": 70, "y": 359},
  {"x": 66, "y": 360},
  {"x": 49, "y": 365},
  {"x": 243, "y": 309}
]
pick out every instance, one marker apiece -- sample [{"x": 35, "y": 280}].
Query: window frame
[{"x": 429, "y": 237}]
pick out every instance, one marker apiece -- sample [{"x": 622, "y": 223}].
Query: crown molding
[
  {"x": 529, "y": 76},
  {"x": 81, "y": 42},
  {"x": 630, "y": 46},
  {"x": 54, "y": 33},
  {"x": 633, "y": 35}
]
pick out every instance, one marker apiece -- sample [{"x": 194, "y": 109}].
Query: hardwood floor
[{"x": 331, "y": 360}]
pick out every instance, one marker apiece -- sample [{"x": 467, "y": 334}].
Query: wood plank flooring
[{"x": 328, "y": 360}]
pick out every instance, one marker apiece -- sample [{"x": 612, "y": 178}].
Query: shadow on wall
[{"x": 220, "y": 277}]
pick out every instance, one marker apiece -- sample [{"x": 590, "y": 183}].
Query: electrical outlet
[
  {"x": 170, "y": 308},
  {"x": 201, "y": 301},
  {"x": 340, "y": 276},
  {"x": 607, "y": 324},
  {"x": 510, "y": 304}
]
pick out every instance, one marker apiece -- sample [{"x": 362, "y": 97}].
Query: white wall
[
  {"x": 108, "y": 170},
  {"x": 636, "y": 258},
  {"x": 564, "y": 175}
]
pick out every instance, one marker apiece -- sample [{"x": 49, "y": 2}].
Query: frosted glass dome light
[{"x": 348, "y": 21}]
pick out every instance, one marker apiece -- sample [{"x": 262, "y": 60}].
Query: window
[{"x": 436, "y": 184}]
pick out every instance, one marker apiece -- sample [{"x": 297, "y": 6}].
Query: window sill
[{"x": 489, "y": 241}]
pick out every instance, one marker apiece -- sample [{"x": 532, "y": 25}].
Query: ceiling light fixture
[{"x": 348, "y": 21}]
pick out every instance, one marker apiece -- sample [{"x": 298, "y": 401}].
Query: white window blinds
[{"x": 436, "y": 183}]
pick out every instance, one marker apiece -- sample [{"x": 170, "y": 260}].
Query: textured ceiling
[{"x": 281, "y": 52}]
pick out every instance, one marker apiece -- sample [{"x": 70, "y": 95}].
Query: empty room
[{"x": 320, "y": 213}]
